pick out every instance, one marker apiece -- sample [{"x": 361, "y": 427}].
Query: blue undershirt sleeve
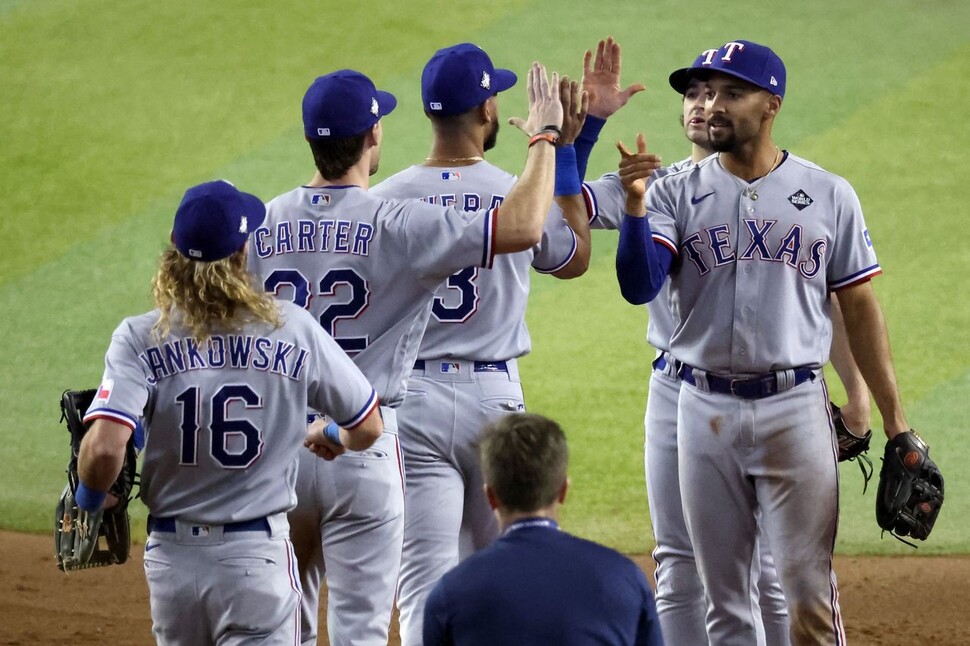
[
  {"x": 585, "y": 141},
  {"x": 642, "y": 265}
]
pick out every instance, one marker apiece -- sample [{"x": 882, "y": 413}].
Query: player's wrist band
[
  {"x": 89, "y": 499},
  {"x": 332, "y": 432},
  {"x": 543, "y": 135},
  {"x": 567, "y": 175}
]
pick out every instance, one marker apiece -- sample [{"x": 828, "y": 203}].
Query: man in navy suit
[{"x": 537, "y": 584}]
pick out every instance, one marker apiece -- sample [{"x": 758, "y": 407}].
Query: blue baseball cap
[
  {"x": 214, "y": 221},
  {"x": 460, "y": 77},
  {"x": 343, "y": 104},
  {"x": 680, "y": 79},
  {"x": 750, "y": 62}
]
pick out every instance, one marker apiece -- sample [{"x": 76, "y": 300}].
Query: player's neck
[
  {"x": 461, "y": 150},
  {"x": 698, "y": 153},
  {"x": 751, "y": 161},
  {"x": 356, "y": 176}
]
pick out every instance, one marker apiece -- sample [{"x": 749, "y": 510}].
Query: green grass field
[{"x": 112, "y": 109}]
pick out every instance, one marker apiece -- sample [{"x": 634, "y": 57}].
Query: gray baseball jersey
[
  {"x": 232, "y": 409},
  {"x": 777, "y": 317},
  {"x": 469, "y": 377},
  {"x": 367, "y": 269},
  {"x": 481, "y": 314},
  {"x": 606, "y": 203}
]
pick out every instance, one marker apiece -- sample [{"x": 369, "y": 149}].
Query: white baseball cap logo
[
  {"x": 374, "y": 109},
  {"x": 486, "y": 81},
  {"x": 243, "y": 225}
]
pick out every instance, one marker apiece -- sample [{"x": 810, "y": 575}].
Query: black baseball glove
[
  {"x": 91, "y": 539},
  {"x": 852, "y": 446},
  {"x": 910, "y": 489}
]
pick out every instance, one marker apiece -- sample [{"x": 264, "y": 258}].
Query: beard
[
  {"x": 492, "y": 137},
  {"x": 724, "y": 142}
]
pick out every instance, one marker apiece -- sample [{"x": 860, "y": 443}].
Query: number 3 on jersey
[
  {"x": 343, "y": 284},
  {"x": 463, "y": 285}
]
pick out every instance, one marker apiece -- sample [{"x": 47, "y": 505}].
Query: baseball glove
[
  {"x": 91, "y": 539},
  {"x": 852, "y": 446},
  {"x": 910, "y": 489}
]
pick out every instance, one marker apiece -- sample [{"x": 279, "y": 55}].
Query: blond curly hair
[{"x": 209, "y": 296}]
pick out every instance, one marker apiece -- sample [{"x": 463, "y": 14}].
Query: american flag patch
[
  {"x": 451, "y": 176},
  {"x": 449, "y": 367}
]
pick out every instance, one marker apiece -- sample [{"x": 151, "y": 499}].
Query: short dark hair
[
  {"x": 524, "y": 458},
  {"x": 334, "y": 157}
]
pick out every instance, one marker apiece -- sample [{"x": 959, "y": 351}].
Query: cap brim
[
  {"x": 386, "y": 102},
  {"x": 503, "y": 80},
  {"x": 680, "y": 79}
]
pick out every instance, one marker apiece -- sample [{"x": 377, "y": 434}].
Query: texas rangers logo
[
  {"x": 800, "y": 199},
  {"x": 374, "y": 109},
  {"x": 320, "y": 199},
  {"x": 486, "y": 81}
]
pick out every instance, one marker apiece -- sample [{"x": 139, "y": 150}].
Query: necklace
[
  {"x": 477, "y": 158},
  {"x": 751, "y": 190}
]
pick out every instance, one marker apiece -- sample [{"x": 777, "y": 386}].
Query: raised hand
[
  {"x": 634, "y": 170},
  {"x": 575, "y": 103},
  {"x": 602, "y": 80},
  {"x": 545, "y": 108}
]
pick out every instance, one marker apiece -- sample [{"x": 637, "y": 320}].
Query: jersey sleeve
[
  {"x": 660, "y": 215},
  {"x": 442, "y": 240},
  {"x": 852, "y": 258},
  {"x": 605, "y": 202},
  {"x": 126, "y": 385},
  {"x": 558, "y": 244},
  {"x": 335, "y": 384}
]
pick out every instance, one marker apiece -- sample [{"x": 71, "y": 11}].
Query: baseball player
[
  {"x": 466, "y": 374},
  {"x": 367, "y": 269},
  {"x": 761, "y": 238},
  {"x": 537, "y": 584},
  {"x": 220, "y": 375},
  {"x": 680, "y": 596}
]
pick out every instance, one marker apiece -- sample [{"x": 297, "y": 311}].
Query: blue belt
[
  {"x": 755, "y": 387},
  {"x": 480, "y": 366},
  {"x": 168, "y": 525}
]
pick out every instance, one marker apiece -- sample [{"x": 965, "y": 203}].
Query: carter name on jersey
[{"x": 318, "y": 235}]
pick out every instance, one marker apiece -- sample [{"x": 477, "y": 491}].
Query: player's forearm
[
  {"x": 569, "y": 198},
  {"x": 102, "y": 454},
  {"x": 363, "y": 436},
  {"x": 585, "y": 142},
  {"x": 521, "y": 215},
  {"x": 845, "y": 366},
  {"x": 869, "y": 341},
  {"x": 642, "y": 265}
]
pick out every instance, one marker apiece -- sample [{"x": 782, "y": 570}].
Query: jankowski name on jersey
[{"x": 225, "y": 351}]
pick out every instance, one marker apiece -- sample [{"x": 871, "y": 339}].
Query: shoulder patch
[{"x": 800, "y": 199}]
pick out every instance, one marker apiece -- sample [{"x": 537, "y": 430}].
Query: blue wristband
[
  {"x": 567, "y": 177},
  {"x": 332, "y": 433},
  {"x": 89, "y": 499}
]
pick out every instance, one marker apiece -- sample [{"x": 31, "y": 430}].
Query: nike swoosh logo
[
  {"x": 698, "y": 199},
  {"x": 149, "y": 548}
]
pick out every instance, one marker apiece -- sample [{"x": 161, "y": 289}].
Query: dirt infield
[{"x": 886, "y": 601}]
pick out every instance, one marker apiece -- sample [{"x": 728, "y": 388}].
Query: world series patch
[{"x": 800, "y": 199}]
